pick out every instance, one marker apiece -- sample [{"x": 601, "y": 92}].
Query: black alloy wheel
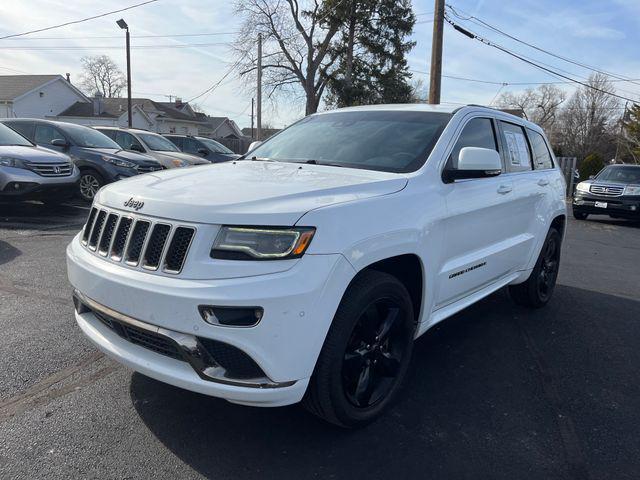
[
  {"x": 366, "y": 353},
  {"x": 537, "y": 290},
  {"x": 374, "y": 354}
]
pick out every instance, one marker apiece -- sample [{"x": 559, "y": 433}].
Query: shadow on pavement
[
  {"x": 496, "y": 391},
  {"x": 38, "y": 216},
  {"x": 8, "y": 252}
]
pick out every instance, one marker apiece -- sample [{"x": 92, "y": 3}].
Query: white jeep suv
[{"x": 305, "y": 270}]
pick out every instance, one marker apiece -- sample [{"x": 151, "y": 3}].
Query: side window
[
  {"x": 477, "y": 133},
  {"x": 46, "y": 133},
  {"x": 177, "y": 141},
  {"x": 516, "y": 147},
  {"x": 541, "y": 156},
  {"x": 109, "y": 133},
  {"x": 24, "y": 129},
  {"x": 126, "y": 140},
  {"x": 191, "y": 145}
]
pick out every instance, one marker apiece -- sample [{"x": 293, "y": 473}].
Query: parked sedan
[
  {"x": 153, "y": 144},
  {"x": 100, "y": 159},
  {"x": 206, "y": 148},
  {"x": 31, "y": 172}
]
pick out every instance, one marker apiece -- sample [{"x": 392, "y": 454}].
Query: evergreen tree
[
  {"x": 631, "y": 132},
  {"x": 371, "y": 64}
]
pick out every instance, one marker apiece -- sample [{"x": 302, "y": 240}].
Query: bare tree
[
  {"x": 588, "y": 119},
  {"x": 297, "y": 37},
  {"x": 540, "y": 105},
  {"x": 101, "y": 75}
]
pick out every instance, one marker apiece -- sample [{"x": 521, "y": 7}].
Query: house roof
[
  {"x": 114, "y": 107},
  {"x": 13, "y": 86}
]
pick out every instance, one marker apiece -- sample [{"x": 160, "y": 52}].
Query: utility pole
[
  {"x": 259, "y": 95},
  {"x": 435, "y": 76},
  {"x": 122, "y": 24},
  {"x": 252, "y": 102}
]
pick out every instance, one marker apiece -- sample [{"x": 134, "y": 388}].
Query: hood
[
  {"x": 134, "y": 157},
  {"x": 33, "y": 154},
  {"x": 190, "y": 159},
  {"x": 247, "y": 192}
]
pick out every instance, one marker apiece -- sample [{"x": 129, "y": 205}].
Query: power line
[
  {"x": 104, "y": 37},
  {"x": 482, "y": 23},
  {"x": 474, "y": 36},
  {"x": 112, "y": 47},
  {"x": 78, "y": 21}
]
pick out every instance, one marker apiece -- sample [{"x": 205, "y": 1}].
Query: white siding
[{"x": 49, "y": 100}]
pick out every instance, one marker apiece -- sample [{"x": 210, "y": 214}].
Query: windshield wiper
[
  {"x": 262, "y": 159},
  {"x": 316, "y": 162}
]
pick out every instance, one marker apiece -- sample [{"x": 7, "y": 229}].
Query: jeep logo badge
[{"x": 135, "y": 204}]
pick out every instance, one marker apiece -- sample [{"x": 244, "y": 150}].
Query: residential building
[
  {"x": 36, "y": 96},
  {"x": 147, "y": 114}
]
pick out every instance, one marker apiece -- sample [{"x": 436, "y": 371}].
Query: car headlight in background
[
  {"x": 632, "y": 190},
  {"x": 583, "y": 187},
  {"x": 11, "y": 162},
  {"x": 257, "y": 243},
  {"x": 118, "y": 162},
  {"x": 178, "y": 163}
]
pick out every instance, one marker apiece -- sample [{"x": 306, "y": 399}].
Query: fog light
[
  {"x": 633, "y": 208},
  {"x": 231, "y": 316}
]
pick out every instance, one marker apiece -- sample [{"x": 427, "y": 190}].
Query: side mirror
[
  {"x": 136, "y": 148},
  {"x": 475, "y": 162},
  {"x": 203, "y": 151},
  {"x": 59, "y": 142},
  {"x": 254, "y": 145}
]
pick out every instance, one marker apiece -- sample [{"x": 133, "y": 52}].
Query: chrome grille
[
  {"x": 140, "y": 242},
  {"x": 148, "y": 168},
  {"x": 607, "y": 190},
  {"x": 58, "y": 169}
]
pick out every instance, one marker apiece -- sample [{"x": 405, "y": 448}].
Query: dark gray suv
[{"x": 100, "y": 159}]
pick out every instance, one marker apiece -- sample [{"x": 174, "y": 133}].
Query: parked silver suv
[{"x": 30, "y": 172}]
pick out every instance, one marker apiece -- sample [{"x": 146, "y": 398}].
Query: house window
[
  {"x": 41, "y": 94},
  {"x": 172, "y": 129}
]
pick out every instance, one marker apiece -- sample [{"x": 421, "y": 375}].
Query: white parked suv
[{"x": 305, "y": 270}]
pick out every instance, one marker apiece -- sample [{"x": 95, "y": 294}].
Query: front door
[{"x": 479, "y": 228}]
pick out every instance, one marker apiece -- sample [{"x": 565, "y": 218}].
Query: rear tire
[
  {"x": 580, "y": 215},
  {"x": 366, "y": 353},
  {"x": 538, "y": 289}
]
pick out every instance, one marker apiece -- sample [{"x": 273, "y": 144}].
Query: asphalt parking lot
[{"x": 495, "y": 392}]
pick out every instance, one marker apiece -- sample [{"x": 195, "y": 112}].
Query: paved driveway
[{"x": 497, "y": 391}]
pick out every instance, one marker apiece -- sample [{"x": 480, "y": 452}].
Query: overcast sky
[{"x": 604, "y": 34}]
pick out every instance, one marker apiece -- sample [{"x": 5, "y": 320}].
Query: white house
[
  {"x": 36, "y": 96},
  {"x": 147, "y": 114}
]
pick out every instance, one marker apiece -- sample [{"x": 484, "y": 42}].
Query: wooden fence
[
  {"x": 568, "y": 167},
  {"x": 237, "y": 145}
]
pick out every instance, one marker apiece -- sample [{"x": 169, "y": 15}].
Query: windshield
[
  {"x": 392, "y": 141},
  {"x": 88, "y": 137},
  {"x": 620, "y": 174},
  {"x": 10, "y": 137},
  {"x": 215, "y": 146},
  {"x": 158, "y": 143}
]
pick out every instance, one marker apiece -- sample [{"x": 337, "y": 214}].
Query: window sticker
[{"x": 517, "y": 148}]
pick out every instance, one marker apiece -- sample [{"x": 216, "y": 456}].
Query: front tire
[
  {"x": 580, "y": 215},
  {"x": 90, "y": 182},
  {"x": 538, "y": 289},
  {"x": 366, "y": 353}
]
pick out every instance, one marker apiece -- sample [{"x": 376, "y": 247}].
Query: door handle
[
  {"x": 504, "y": 189},
  {"x": 543, "y": 182}
]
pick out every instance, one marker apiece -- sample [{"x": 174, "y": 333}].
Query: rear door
[
  {"x": 480, "y": 233},
  {"x": 530, "y": 189}
]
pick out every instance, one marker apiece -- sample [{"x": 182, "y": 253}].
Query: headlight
[
  {"x": 11, "y": 162},
  {"x": 583, "y": 187},
  {"x": 632, "y": 190},
  {"x": 178, "y": 163},
  {"x": 255, "y": 243},
  {"x": 118, "y": 162}
]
